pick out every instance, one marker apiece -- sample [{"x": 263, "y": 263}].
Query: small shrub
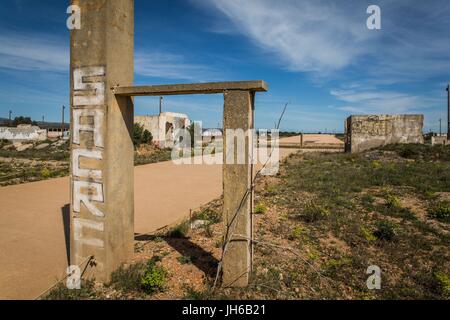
[
  {"x": 272, "y": 189},
  {"x": 314, "y": 212},
  {"x": 376, "y": 164},
  {"x": 430, "y": 195},
  {"x": 386, "y": 230},
  {"x": 146, "y": 137},
  {"x": 154, "y": 278},
  {"x": 184, "y": 259},
  {"x": 179, "y": 231},
  {"x": 368, "y": 199},
  {"x": 191, "y": 294},
  {"x": 141, "y": 135},
  {"x": 261, "y": 208},
  {"x": 442, "y": 283},
  {"x": 440, "y": 211},
  {"x": 393, "y": 202},
  {"x": 128, "y": 279},
  {"x": 219, "y": 243},
  {"x": 369, "y": 236},
  {"x": 208, "y": 230},
  {"x": 45, "y": 173},
  {"x": 210, "y": 215},
  {"x": 296, "y": 233},
  {"x": 61, "y": 292}
]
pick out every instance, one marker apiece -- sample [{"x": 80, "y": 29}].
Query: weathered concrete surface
[
  {"x": 23, "y": 133},
  {"x": 237, "y": 179},
  {"x": 439, "y": 140},
  {"x": 366, "y": 132},
  {"x": 163, "y": 126},
  {"x": 194, "y": 88},
  {"x": 101, "y": 57}
]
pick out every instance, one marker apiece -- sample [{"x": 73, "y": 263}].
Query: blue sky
[{"x": 317, "y": 55}]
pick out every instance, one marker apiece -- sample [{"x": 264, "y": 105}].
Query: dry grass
[{"x": 327, "y": 218}]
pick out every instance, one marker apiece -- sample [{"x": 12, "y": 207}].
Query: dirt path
[{"x": 32, "y": 217}]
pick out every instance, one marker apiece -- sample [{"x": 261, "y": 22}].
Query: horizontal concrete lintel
[{"x": 194, "y": 88}]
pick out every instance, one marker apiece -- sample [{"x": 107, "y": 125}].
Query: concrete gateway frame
[{"x": 102, "y": 195}]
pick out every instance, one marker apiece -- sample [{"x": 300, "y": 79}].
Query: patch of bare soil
[{"x": 419, "y": 209}]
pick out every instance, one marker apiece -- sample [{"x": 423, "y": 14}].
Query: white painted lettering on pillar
[
  {"x": 86, "y": 193},
  {"x": 88, "y": 189},
  {"x": 81, "y": 224},
  {"x": 96, "y": 126}
]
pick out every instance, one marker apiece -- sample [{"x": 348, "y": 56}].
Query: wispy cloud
[
  {"x": 387, "y": 102},
  {"x": 33, "y": 52},
  {"x": 157, "y": 64},
  {"x": 327, "y": 36},
  {"x": 306, "y": 35},
  {"x": 43, "y": 52}
]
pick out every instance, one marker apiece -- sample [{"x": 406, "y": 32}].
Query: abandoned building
[
  {"x": 212, "y": 133},
  {"x": 163, "y": 126},
  {"x": 370, "y": 131},
  {"x": 23, "y": 132},
  {"x": 439, "y": 140},
  {"x": 41, "y": 132},
  {"x": 55, "y": 129}
]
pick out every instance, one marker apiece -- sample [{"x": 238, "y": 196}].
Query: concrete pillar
[
  {"x": 237, "y": 179},
  {"x": 448, "y": 111},
  {"x": 102, "y": 201}
]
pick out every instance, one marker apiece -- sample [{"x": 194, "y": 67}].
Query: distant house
[
  {"x": 23, "y": 132},
  {"x": 27, "y": 132},
  {"x": 212, "y": 132},
  {"x": 55, "y": 129},
  {"x": 164, "y": 126}
]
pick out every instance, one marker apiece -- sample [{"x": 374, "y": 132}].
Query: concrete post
[
  {"x": 448, "y": 112},
  {"x": 237, "y": 179},
  {"x": 102, "y": 201}
]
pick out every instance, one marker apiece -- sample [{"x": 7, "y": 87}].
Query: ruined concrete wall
[
  {"x": 150, "y": 123},
  {"x": 439, "y": 140},
  {"x": 23, "y": 134},
  {"x": 163, "y": 127},
  {"x": 367, "y": 132}
]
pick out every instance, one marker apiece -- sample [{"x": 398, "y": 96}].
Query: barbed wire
[
  {"x": 231, "y": 225},
  {"x": 87, "y": 261},
  {"x": 292, "y": 250}
]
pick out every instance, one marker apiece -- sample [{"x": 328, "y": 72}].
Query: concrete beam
[
  {"x": 196, "y": 88},
  {"x": 102, "y": 199},
  {"x": 237, "y": 201}
]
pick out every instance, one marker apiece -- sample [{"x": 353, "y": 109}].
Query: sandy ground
[
  {"x": 32, "y": 217},
  {"x": 314, "y": 138}
]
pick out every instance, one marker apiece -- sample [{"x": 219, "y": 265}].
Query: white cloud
[
  {"x": 376, "y": 102},
  {"x": 33, "y": 52},
  {"x": 171, "y": 66},
  {"x": 325, "y": 36},
  {"x": 43, "y": 52},
  {"x": 306, "y": 35}
]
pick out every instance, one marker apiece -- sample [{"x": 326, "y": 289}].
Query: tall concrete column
[
  {"x": 237, "y": 179},
  {"x": 448, "y": 112},
  {"x": 102, "y": 201}
]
